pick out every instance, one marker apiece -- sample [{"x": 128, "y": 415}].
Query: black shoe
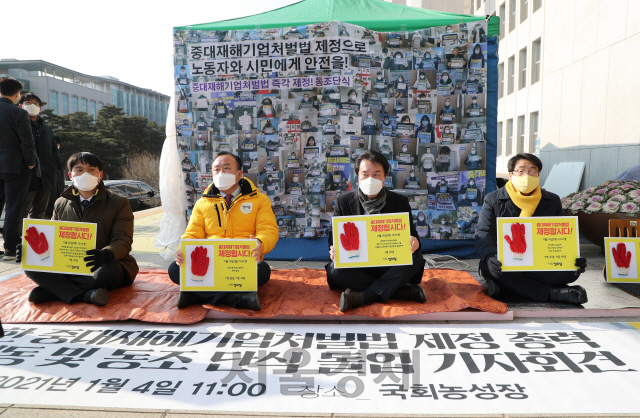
[
  {"x": 412, "y": 292},
  {"x": 493, "y": 288},
  {"x": 9, "y": 255},
  {"x": 98, "y": 297},
  {"x": 246, "y": 300},
  {"x": 351, "y": 300},
  {"x": 570, "y": 294},
  {"x": 40, "y": 295},
  {"x": 187, "y": 299}
]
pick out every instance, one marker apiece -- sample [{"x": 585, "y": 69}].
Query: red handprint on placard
[
  {"x": 350, "y": 240},
  {"x": 517, "y": 242},
  {"x": 37, "y": 242},
  {"x": 622, "y": 258},
  {"x": 199, "y": 263}
]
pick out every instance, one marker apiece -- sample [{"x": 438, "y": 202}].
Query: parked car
[{"x": 141, "y": 196}]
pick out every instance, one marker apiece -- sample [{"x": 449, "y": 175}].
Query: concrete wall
[{"x": 588, "y": 95}]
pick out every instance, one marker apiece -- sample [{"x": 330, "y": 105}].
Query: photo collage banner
[{"x": 300, "y": 104}]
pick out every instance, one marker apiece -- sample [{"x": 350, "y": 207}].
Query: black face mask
[{"x": 361, "y": 145}]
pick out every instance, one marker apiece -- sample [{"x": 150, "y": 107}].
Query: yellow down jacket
[{"x": 250, "y": 214}]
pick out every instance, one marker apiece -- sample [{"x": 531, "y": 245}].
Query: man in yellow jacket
[{"x": 232, "y": 207}]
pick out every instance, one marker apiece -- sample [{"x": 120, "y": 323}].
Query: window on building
[
  {"x": 524, "y": 10},
  {"x": 114, "y": 97},
  {"x": 84, "y": 105},
  {"x": 74, "y": 104},
  {"x": 503, "y": 17},
  {"x": 500, "y": 81},
  {"x": 509, "y": 147},
  {"x": 522, "y": 79},
  {"x": 535, "y": 61},
  {"x": 65, "y": 104},
  {"x": 140, "y": 108},
  {"x": 93, "y": 110},
  {"x": 54, "y": 102},
  {"x": 512, "y": 74},
  {"x": 537, "y": 4},
  {"x": 533, "y": 132},
  {"x": 512, "y": 15},
  {"x": 478, "y": 4},
  {"x": 520, "y": 139},
  {"x": 499, "y": 141}
]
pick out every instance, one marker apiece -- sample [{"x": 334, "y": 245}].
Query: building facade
[
  {"x": 563, "y": 90},
  {"x": 66, "y": 91}
]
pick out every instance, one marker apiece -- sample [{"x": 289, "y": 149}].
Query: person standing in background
[
  {"x": 43, "y": 185},
  {"x": 17, "y": 159},
  {"x": 60, "y": 186}
]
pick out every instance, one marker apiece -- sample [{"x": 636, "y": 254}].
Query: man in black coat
[
  {"x": 44, "y": 185},
  {"x": 17, "y": 159},
  {"x": 366, "y": 285},
  {"x": 542, "y": 286}
]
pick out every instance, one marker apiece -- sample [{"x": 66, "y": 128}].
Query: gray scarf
[{"x": 373, "y": 206}]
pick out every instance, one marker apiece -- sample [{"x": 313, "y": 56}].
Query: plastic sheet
[{"x": 172, "y": 192}]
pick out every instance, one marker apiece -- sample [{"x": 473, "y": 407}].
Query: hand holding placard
[
  {"x": 622, "y": 258},
  {"x": 37, "y": 242},
  {"x": 350, "y": 240},
  {"x": 199, "y": 263},
  {"x": 517, "y": 242}
]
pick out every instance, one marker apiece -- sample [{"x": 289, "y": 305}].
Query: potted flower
[{"x": 595, "y": 206}]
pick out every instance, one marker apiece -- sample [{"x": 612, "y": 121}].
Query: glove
[
  {"x": 518, "y": 245},
  {"x": 18, "y": 253},
  {"x": 199, "y": 263},
  {"x": 622, "y": 257},
  {"x": 495, "y": 266},
  {"x": 581, "y": 263},
  {"x": 350, "y": 240},
  {"x": 37, "y": 242},
  {"x": 98, "y": 258}
]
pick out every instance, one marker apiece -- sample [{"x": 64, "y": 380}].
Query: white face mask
[
  {"x": 370, "y": 186},
  {"x": 352, "y": 97},
  {"x": 86, "y": 182},
  {"x": 421, "y": 77},
  {"x": 224, "y": 181},
  {"x": 32, "y": 109},
  {"x": 295, "y": 179}
]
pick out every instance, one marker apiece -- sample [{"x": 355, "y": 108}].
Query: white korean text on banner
[{"x": 300, "y": 104}]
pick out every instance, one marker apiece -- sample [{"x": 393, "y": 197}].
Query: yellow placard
[
  {"x": 372, "y": 240},
  {"x": 57, "y": 246},
  {"x": 538, "y": 244},
  {"x": 621, "y": 259},
  {"x": 220, "y": 265}
]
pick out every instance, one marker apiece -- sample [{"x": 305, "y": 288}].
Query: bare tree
[{"x": 144, "y": 166}]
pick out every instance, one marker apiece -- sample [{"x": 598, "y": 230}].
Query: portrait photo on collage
[{"x": 300, "y": 104}]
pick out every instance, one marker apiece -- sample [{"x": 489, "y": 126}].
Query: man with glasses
[
  {"x": 523, "y": 197},
  {"x": 112, "y": 267}
]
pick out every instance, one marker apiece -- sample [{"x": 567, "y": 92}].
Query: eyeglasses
[
  {"x": 92, "y": 171},
  {"x": 533, "y": 172}
]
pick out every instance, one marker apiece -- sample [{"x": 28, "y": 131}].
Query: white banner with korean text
[{"x": 501, "y": 368}]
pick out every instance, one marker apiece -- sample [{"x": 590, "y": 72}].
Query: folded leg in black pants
[
  {"x": 535, "y": 285},
  {"x": 235, "y": 299},
  {"x": 379, "y": 284},
  {"x": 72, "y": 288}
]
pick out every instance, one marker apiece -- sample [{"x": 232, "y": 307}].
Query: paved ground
[{"x": 606, "y": 304}]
